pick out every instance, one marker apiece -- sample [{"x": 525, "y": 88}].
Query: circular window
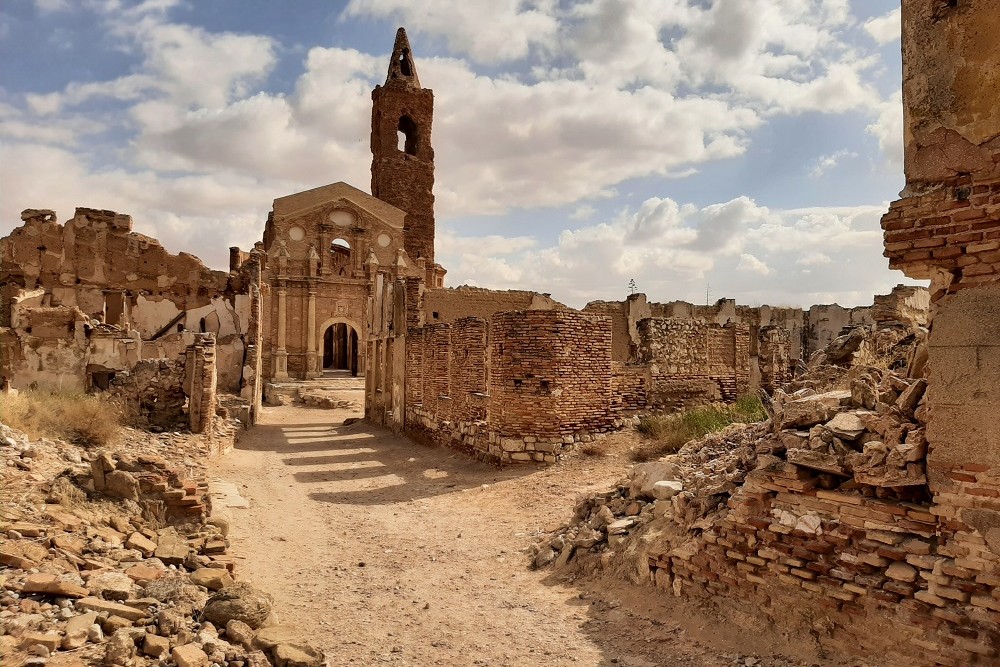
[
  {"x": 296, "y": 233},
  {"x": 384, "y": 240},
  {"x": 342, "y": 218}
]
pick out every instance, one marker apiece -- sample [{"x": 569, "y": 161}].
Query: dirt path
[{"x": 385, "y": 551}]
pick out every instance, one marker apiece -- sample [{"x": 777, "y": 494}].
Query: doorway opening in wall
[{"x": 340, "y": 349}]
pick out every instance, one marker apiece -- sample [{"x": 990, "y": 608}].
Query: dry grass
[
  {"x": 594, "y": 449},
  {"x": 669, "y": 433},
  {"x": 83, "y": 419}
]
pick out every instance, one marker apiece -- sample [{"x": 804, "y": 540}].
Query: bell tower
[{"x": 402, "y": 156}]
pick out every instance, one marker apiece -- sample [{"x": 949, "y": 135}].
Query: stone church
[{"x": 324, "y": 247}]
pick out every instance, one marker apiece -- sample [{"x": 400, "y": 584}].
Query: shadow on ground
[{"x": 363, "y": 464}]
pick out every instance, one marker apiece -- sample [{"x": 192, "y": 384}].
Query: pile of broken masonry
[
  {"x": 109, "y": 559},
  {"x": 865, "y": 436}
]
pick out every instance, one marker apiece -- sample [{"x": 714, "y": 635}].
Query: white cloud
[
  {"x": 814, "y": 259},
  {"x": 888, "y": 129},
  {"x": 817, "y": 255},
  {"x": 885, "y": 29},
  {"x": 584, "y": 212},
  {"x": 827, "y": 162},
  {"x": 49, "y": 6},
  {"x": 751, "y": 264},
  {"x": 489, "y": 32}
]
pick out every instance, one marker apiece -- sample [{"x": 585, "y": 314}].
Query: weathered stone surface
[
  {"x": 666, "y": 489},
  {"x": 120, "y": 649},
  {"x": 189, "y": 655},
  {"x": 121, "y": 484},
  {"x": 241, "y": 602},
  {"x": 155, "y": 646},
  {"x": 269, "y": 637},
  {"x": 644, "y": 476},
  {"x": 142, "y": 574},
  {"x": 901, "y": 572},
  {"x": 816, "y": 460},
  {"x": 111, "y": 585},
  {"x": 212, "y": 578},
  {"x": 50, "y": 640},
  {"x": 50, "y": 584},
  {"x": 240, "y": 633},
  {"x": 846, "y": 425},
  {"x": 78, "y": 630},
  {"x": 812, "y": 410},
  {"x": 112, "y": 608},
  {"x": 171, "y": 548},
  {"x": 139, "y": 541},
  {"x": 297, "y": 655}
]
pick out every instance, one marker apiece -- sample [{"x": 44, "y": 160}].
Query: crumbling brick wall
[
  {"x": 201, "y": 383},
  {"x": 520, "y": 387}
]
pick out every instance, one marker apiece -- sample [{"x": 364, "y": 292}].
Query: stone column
[
  {"x": 311, "y": 352},
  {"x": 281, "y": 355}
]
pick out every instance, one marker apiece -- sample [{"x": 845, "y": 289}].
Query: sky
[{"x": 705, "y": 149}]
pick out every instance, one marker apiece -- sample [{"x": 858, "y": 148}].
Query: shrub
[
  {"x": 87, "y": 420},
  {"x": 671, "y": 432}
]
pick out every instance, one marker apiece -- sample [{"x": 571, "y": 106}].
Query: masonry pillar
[
  {"x": 281, "y": 355},
  {"x": 201, "y": 373},
  {"x": 311, "y": 352}
]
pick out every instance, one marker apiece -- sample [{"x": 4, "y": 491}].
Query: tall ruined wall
[
  {"x": 450, "y": 304},
  {"x": 96, "y": 255},
  {"x": 808, "y": 330},
  {"x": 951, "y": 84},
  {"x": 97, "y": 267}
]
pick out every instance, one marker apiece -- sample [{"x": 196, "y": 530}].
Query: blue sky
[{"x": 746, "y": 147}]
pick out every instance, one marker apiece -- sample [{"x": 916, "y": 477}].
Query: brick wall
[
  {"x": 951, "y": 234},
  {"x": 201, "y": 379},
  {"x": 520, "y": 387}
]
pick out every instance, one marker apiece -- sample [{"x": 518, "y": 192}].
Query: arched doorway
[{"x": 340, "y": 348}]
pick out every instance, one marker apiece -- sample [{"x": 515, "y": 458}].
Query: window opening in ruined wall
[{"x": 407, "y": 135}]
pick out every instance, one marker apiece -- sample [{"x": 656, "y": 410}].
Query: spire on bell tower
[
  {"x": 402, "y": 156},
  {"x": 401, "y": 67}
]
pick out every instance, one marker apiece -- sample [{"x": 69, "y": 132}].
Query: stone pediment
[{"x": 302, "y": 202}]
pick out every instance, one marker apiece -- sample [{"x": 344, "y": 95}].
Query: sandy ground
[{"x": 386, "y": 551}]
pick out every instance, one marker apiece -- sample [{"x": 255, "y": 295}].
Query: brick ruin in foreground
[{"x": 868, "y": 518}]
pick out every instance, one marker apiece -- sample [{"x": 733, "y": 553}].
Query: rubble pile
[
  {"x": 110, "y": 558},
  {"x": 866, "y": 439}
]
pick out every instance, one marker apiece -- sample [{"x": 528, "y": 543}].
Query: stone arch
[{"x": 351, "y": 354}]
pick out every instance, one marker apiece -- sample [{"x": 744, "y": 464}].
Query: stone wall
[
  {"x": 152, "y": 394},
  {"x": 121, "y": 296},
  {"x": 693, "y": 362},
  {"x": 808, "y": 330}
]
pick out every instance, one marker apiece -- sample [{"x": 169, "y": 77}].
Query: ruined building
[{"x": 346, "y": 281}]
